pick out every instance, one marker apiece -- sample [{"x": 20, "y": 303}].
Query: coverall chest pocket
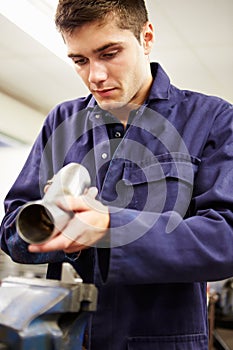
[{"x": 162, "y": 183}]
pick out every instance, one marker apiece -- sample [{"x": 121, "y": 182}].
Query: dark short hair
[{"x": 129, "y": 14}]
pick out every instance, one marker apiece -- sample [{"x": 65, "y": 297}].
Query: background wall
[
  {"x": 19, "y": 125},
  {"x": 18, "y": 120}
]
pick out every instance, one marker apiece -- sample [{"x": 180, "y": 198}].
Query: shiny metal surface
[
  {"x": 10, "y": 268},
  {"x": 38, "y": 221},
  {"x": 44, "y": 314}
]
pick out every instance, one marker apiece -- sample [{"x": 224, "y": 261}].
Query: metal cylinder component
[{"x": 40, "y": 220}]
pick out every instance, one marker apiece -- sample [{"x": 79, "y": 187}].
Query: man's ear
[{"x": 148, "y": 37}]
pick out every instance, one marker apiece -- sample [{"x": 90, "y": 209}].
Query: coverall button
[
  {"x": 104, "y": 155},
  {"x": 117, "y": 134}
]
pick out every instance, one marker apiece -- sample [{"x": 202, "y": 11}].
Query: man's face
[{"x": 112, "y": 63}]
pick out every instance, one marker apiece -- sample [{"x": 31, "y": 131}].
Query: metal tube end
[{"x": 34, "y": 223}]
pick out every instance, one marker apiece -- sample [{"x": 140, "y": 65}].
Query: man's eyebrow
[
  {"x": 107, "y": 46},
  {"x": 99, "y": 49}
]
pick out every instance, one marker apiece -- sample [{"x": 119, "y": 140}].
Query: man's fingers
[
  {"x": 92, "y": 192},
  {"x": 81, "y": 203},
  {"x": 58, "y": 243}
]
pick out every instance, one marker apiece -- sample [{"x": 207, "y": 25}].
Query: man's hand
[{"x": 88, "y": 226}]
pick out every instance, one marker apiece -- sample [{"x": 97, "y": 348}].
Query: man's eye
[
  {"x": 110, "y": 54},
  {"x": 80, "y": 61}
]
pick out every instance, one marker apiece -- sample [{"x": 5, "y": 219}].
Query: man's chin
[{"x": 111, "y": 106}]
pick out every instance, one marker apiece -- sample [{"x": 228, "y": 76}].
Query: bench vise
[{"x": 39, "y": 314}]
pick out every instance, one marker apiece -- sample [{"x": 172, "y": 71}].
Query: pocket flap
[{"x": 161, "y": 168}]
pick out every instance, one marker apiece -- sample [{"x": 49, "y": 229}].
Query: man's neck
[{"x": 122, "y": 114}]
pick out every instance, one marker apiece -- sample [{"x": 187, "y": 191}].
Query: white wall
[
  {"x": 23, "y": 123},
  {"x": 19, "y": 120},
  {"x": 11, "y": 160}
]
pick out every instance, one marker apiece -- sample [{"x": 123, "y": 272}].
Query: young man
[{"x": 161, "y": 159}]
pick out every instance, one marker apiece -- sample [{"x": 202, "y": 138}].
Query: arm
[{"x": 200, "y": 247}]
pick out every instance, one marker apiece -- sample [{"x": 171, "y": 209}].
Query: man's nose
[{"x": 97, "y": 73}]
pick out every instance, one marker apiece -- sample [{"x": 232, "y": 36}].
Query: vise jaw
[{"x": 39, "y": 314}]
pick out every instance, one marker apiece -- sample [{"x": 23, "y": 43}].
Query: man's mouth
[{"x": 104, "y": 92}]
